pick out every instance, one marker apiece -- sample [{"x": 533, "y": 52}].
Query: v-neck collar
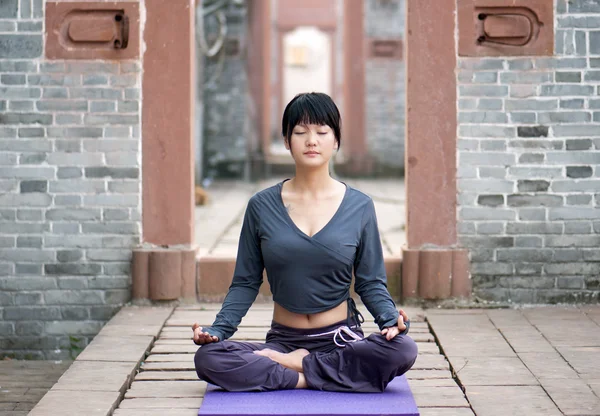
[{"x": 293, "y": 224}]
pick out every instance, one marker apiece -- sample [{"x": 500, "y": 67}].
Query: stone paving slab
[
  {"x": 113, "y": 348},
  {"x": 162, "y": 403},
  {"x": 511, "y": 401},
  {"x": 492, "y": 371},
  {"x": 167, "y": 389},
  {"x": 573, "y": 396},
  {"x": 89, "y": 403},
  {"x": 97, "y": 376},
  {"x": 157, "y": 412}
]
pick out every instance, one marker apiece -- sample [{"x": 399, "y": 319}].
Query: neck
[{"x": 313, "y": 181}]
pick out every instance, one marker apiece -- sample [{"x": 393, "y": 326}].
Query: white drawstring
[{"x": 338, "y": 332}]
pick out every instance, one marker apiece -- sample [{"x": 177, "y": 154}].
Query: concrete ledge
[{"x": 98, "y": 379}]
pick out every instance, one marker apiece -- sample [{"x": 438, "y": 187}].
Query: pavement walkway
[{"x": 523, "y": 362}]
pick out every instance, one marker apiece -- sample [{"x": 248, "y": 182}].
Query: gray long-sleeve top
[{"x": 307, "y": 274}]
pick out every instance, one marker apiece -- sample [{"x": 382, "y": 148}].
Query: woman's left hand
[{"x": 392, "y": 331}]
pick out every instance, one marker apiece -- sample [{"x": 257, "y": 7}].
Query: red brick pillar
[
  {"x": 169, "y": 270},
  {"x": 433, "y": 266}
]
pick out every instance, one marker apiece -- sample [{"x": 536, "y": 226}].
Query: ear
[{"x": 286, "y": 143}]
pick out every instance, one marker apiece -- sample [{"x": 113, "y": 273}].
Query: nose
[{"x": 311, "y": 139}]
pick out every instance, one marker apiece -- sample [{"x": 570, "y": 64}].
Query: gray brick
[
  {"x": 95, "y": 93},
  {"x": 111, "y": 228},
  {"x": 487, "y": 159},
  {"x": 523, "y": 90},
  {"x": 93, "y": 119},
  {"x": 536, "y": 144},
  {"x": 468, "y": 144},
  {"x": 8, "y": 185},
  {"x": 468, "y": 213},
  {"x": 124, "y": 187},
  {"x": 7, "y": 26},
  {"x": 532, "y": 131},
  {"x": 115, "y": 214},
  {"x": 20, "y": 46},
  {"x": 95, "y": 79},
  {"x": 25, "y": 118},
  {"x": 579, "y": 171},
  {"x": 111, "y": 200},
  {"x": 584, "y": 6},
  {"x": 77, "y": 185},
  {"x": 568, "y": 76},
  {"x": 572, "y": 268},
  {"x": 528, "y": 241},
  {"x": 30, "y": 242},
  {"x": 531, "y": 104},
  {"x": 520, "y": 64},
  {"x": 123, "y": 80},
  {"x": 490, "y": 104},
  {"x": 71, "y": 214},
  {"x": 525, "y": 255},
  {"x": 25, "y": 228},
  {"x": 579, "y": 199},
  {"x": 7, "y": 242},
  {"x": 69, "y": 145},
  {"x": 466, "y": 228},
  {"x": 8, "y": 132},
  {"x": 572, "y": 241},
  {"x": 594, "y": 62},
  {"x": 584, "y": 22},
  {"x": 115, "y": 173},
  {"x": 77, "y": 269},
  {"x": 128, "y": 106},
  {"x": 532, "y": 185},
  {"x": 30, "y": 132},
  {"x": 576, "y": 186},
  {"x": 108, "y": 255},
  {"x": 523, "y": 117},
  {"x": 567, "y": 255},
  {"x": 488, "y": 185},
  {"x": 24, "y": 254},
  {"x": 68, "y": 119},
  {"x": 579, "y": 227},
  {"x": 29, "y": 26},
  {"x": 570, "y": 282},
  {"x": 29, "y": 328},
  {"x": 93, "y": 67},
  {"x": 73, "y": 297},
  {"x": 492, "y": 172},
  {"x": 9, "y": 9},
  {"x": 27, "y": 283},
  {"x": 581, "y": 130},
  {"x": 8, "y": 159},
  {"x": 534, "y": 228},
  {"x": 7, "y": 328},
  {"x": 579, "y": 144},
  {"x": 117, "y": 296},
  {"x": 103, "y": 106},
  {"x": 28, "y": 298},
  {"x": 73, "y": 283},
  {"x": 118, "y": 132},
  {"x": 62, "y": 105},
  {"x": 55, "y": 92},
  {"x": 534, "y": 200},
  {"x": 7, "y": 214},
  {"x": 484, "y": 117},
  {"x": 85, "y": 158},
  {"x": 494, "y": 269},
  {"x": 483, "y": 90},
  {"x": 6, "y": 269},
  {"x": 32, "y": 158},
  {"x": 73, "y": 327},
  {"x": 67, "y": 200},
  {"x": 592, "y": 282},
  {"x": 467, "y": 104},
  {"x": 13, "y": 79},
  {"x": 595, "y": 41},
  {"x": 493, "y": 228},
  {"x": 28, "y": 269},
  {"x": 132, "y": 94},
  {"x": 487, "y": 131},
  {"x": 480, "y": 64},
  {"x": 27, "y": 172},
  {"x": 490, "y": 200},
  {"x": 65, "y": 256},
  {"x": 572, "y": 104},
  {"x": 567, "y": 90},
  {"x": 19, "y": 200},
  {"x": 586, "y": 157},
  {"x": 69, "y": 172},
  {"x": 572, "y": 213},
  {"x": 529, "y": 283},
  {"x": 529, "y": 77},
  {"x": 34, "y": 186},
  {"x": 590, "y": 254},
  {"x": 526, "y": 158},
  {"x": 485, "y": 77},
  {"x": 103, "y": 313},
  {"x": 564, "y": 117},
  {"x": 75, "y": 313}
]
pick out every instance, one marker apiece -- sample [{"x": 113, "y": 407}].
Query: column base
[{"x": 435, "y": 273}]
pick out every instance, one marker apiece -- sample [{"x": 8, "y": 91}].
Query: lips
[{"x": 311, "y": 153}]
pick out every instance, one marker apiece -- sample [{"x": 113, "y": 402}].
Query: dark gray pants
[{"x": 367, "y": 365}]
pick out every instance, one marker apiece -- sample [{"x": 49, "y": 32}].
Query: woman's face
[{"x": 312, "y": 144}]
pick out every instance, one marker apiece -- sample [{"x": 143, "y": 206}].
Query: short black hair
[{"x": 312, "y": 108}]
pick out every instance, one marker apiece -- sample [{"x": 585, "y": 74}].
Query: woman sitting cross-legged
[{"x": 310, "y": 233}]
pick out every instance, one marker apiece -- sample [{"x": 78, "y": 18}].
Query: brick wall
[
  {"x": 69, "y": 189},
  {"x": 529, "y": 166},
  {"x": 385, "y": 88}
]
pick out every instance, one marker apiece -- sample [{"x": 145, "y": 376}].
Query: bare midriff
[{"x": 307, "y": 321}]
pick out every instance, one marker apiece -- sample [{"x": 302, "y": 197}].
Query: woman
[{"x": 310, "y": 233}]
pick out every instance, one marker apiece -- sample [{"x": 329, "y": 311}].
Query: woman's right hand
[{"x": 201, "y": 338}]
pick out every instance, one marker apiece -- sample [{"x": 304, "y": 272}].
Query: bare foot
[
  {"x": 301, "y": 382},
  {"x": 292, "y": 360}
]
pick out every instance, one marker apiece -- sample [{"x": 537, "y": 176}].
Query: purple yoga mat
[{"x": 397, "y": 400}]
